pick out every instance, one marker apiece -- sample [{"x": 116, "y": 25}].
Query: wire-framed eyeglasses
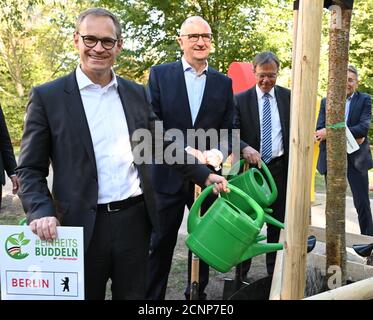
[{"x": 194, "y": 37}]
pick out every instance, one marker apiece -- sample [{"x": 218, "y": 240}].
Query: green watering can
[
  {"x": 253, "y": 183},
  {"x": 225, "y": 235}
]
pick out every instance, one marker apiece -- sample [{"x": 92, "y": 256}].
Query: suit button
[{"x": 92, "y": 210}]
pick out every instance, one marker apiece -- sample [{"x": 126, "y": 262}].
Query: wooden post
[
  {"x": 194, "y": 272},
  {"x": 301, "y": 147},
  {"x": 361, "y": 290},
  {"x": 275, "y": 293}
]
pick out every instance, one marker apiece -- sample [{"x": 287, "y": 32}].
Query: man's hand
[
  {"x": 360, "y": 140},
  {"x": 212, "y": 158},
  {"x": 320, "y": 135},
  {"x": 45, "y": 228},
  {"x": 197, "y": 154},
  {"x": 252, "y": 156},
  {"x": 15, "y": 183},
  {"x": 219, "y": 182}
]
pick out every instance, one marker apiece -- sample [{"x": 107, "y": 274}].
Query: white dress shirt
[
  {"x": 277, "y": 144},
  {"x": 117, "y": 175}
]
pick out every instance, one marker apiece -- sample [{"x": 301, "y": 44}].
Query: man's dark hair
[
  {"x": 101, "y": 12},
  {"x": 352, "y": 69},
  {"x": 264, "y": 58}
]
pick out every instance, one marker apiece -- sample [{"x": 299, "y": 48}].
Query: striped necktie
[{"x": 266, "y": 130}]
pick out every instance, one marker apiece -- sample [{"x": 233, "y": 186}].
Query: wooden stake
[
  {"x": 194, "y": 276},
  {"x": 301, "y": 147}
]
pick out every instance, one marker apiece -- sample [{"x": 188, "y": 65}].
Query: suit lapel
[
  {"x": 128, "y": 109},
  {"x": 78, "y": 118},
  {"x": 178, "y": 75},
  {"x": 253, "y": 102},
  {"x": 281, "y": 111}
]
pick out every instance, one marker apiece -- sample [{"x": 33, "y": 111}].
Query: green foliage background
[{"x": 36, "y": 40}]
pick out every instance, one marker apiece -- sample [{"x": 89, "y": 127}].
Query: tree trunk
[{"x": 336, "y": 147}]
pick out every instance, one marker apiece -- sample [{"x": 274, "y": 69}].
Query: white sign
[
  {"x": 33, "y": 269},
  {"x": 352, "y": 145}
]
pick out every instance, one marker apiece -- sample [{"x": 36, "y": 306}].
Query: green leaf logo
[{"x": 14, "y": 244}]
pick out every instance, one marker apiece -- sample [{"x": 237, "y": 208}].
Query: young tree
[{"x": 336, "y": 142}]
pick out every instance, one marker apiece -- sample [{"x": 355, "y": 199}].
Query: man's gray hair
[
  {"x": 352, "y": 69},
  {"x": 265, "y": 58},
  {"x": 101, "y": 12}
]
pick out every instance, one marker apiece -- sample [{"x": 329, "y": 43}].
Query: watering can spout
[{"x": 257, "y": 249}]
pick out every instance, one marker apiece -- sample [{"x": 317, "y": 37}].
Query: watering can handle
[
  {"x": 236, "y": 168},
  {"x": 271, "y": 181},
  {"x": 194, "y": 215},
  {"x": 259, "y": 221}
]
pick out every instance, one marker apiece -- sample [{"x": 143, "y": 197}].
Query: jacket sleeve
[
  {"x": 6, "y": 148},
  {"x": 361, "y": 128},
  {"x": 321, "y": 118},
  {"x": 33, "y": 163},
  {"x": 154, "y": 92},
  {"x": 225, "y": 144},
  {"x": 237, "y": 118}
]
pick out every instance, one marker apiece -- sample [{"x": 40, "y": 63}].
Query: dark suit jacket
[
  {"x": 169, "y": 98},
  {"x": 56, "y": 131},
  {"x": 7, "y": 159},
  {"x": 247, "y": 117},
  {"x": 359, "y": 118}
]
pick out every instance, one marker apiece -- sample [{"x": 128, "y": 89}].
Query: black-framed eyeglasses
[
  {"x": 91, "y": 41},
  {"x": 194, "y": 37}
]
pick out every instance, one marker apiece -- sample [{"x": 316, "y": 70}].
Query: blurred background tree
[{"x": 36, "y": 40}]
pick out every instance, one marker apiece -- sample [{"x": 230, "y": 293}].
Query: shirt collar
[
  {"x": 350, "y": 97},
  {"x": 260, "y": 93},
  {"x": 187, "y": 66},
  {"x": 84, "y": 81}
]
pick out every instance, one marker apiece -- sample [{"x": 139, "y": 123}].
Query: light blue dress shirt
[
  {"x": 195, "y": 84},
  {"x": 347, "y": 109}
]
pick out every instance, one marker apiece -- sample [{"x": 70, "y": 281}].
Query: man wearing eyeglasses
[
  {"x": 358, "y": 115},
  {"x": 263, "y": 116},
  {"x": 83, "y": 124},
  {"x": 186, "y": 94}
]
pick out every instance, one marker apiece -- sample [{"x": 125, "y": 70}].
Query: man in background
[
  {"x": 7, "y": 158},
  {"x": 263, "y": 117},
  {"x": 186, "y": 94},
  {"x": 358, "y": 114}
]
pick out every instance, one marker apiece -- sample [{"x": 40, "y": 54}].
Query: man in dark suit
[
  {"x": 358, "y": 118},
  {"x": 186, "y": 94},
  {"x": 7, "y": 158},
  {"x": 84, "y": 125},
  {"x": 263, "y": 117}
]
